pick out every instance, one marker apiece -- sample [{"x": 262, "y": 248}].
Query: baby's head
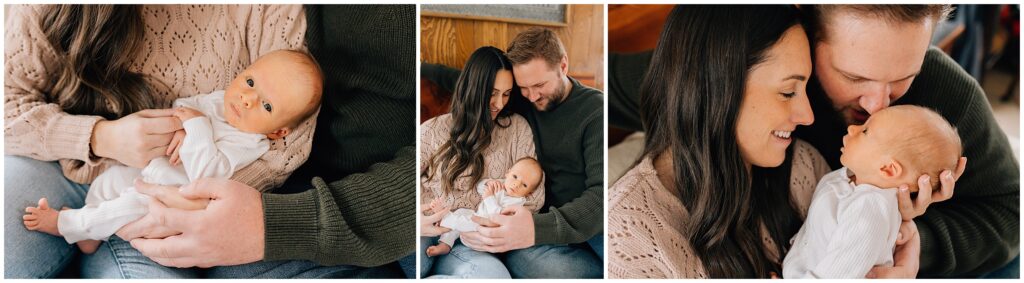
[
  {"x": 274, "y": 94},
  {"x": 523, "y": 178},
  {"x": 899, "y": 144}
]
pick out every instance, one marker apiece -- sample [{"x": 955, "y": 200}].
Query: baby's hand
[
  {"x": 185, "y": 113},
  {"x": 174, "y": 148},
  {"x": 493, "y": 186}
]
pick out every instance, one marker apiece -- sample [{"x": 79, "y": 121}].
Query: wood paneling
[
  {"x": 635, "y": 28},
  {"x": 450, "y": 41}
]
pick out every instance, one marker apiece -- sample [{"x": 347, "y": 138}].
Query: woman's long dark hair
[
  {"x": 462, "y": 155},
  {"x": 690, "y": 102},
  {"x": 97, "y": 44}
]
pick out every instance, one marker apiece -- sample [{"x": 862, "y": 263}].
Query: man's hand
[
  {"x": 906, "y": 258},
  {"x": 910, "y": 209},
  {"x": 228, "y": 232},
  {"x": 511, "y": 230},
  {"x": 170, "y": 196}
]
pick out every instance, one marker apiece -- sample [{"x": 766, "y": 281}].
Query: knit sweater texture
[
  {"x": 570, "y": 148},
  {"x": 361, "y": 209}
]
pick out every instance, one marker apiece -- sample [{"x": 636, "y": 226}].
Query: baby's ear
[
  {"x": 280, "y": 133},
  {"x": 892, "y": 170}
]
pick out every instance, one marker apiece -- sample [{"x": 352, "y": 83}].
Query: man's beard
[{"x": 555, "y": 100}]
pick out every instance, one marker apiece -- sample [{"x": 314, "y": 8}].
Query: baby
[
  {"x": 853, "y": 220},
  {"x": 520, "y": 181},
  {"x": 224, "y": 132}
]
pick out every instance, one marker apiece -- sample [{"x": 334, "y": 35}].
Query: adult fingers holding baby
[
  {"x": 431, "y": 224},
  {"x": 137, "y": 138},
  {"x": 912, "y": 208},
  {"x": 209, "y": 236},
  {"x": 511, "y": 230}
]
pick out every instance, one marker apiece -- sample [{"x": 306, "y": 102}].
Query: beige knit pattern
[
  {"x": 645, "y": 221},
  {"x": 507, "y": 145},
  {"x": 188, "y": 50}
]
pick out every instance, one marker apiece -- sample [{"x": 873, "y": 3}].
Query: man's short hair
[
  {"x": 536, "y": 43},
  {"x": 819, "y": 15}
]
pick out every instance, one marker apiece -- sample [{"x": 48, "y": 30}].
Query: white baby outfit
[
  {"x": 211, "y": 148},
  {"x": 461, "y": 220},
  {"x": 849, "y": 229}
]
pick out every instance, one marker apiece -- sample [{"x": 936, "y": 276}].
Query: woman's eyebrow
[{"x": 795, "y": 77}]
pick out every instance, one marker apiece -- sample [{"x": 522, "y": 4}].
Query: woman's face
[
  {"x": 500, "y": 94},
  {"x": 775, "y": 101}
]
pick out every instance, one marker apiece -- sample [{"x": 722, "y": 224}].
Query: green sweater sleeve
[
  {"x": 583, "y": 217},
  {"x": 978, "y": 229},
  {"x": 364, "y": 219},
  {"x": 444, "y": 76},
  {"x": 625, "y": 74}
]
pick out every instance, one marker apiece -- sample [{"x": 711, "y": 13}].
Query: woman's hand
[
  {"x": 910, "y": 209},
  {"x": 906, "y": 258},
  {"x": 430, "y": 226},
  {"x": 137, "y": 138}
]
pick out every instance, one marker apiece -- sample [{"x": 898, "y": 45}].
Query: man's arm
[
  {"x": 364, "y": 219},
  {"x": 583, "y": 217},
  {"x": 625, "y": 74},
  {"x": 978, "y": 229}
]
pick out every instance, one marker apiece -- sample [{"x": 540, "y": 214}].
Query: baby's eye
[
  {"x": 865, "y": 131},
  {"x": 524, "y": 186},
  {"x": 250, "y": 82},
  {"x": 266, "y": 106}
]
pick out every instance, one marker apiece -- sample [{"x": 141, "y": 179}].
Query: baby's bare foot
[
  {"x": 88, "y": 246},
  {"x": 439, "y": 249},
  {"x": 41, "y": 218}
]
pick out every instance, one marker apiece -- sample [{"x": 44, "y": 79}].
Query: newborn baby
[
  {"x": 520, "y": 181},
  {"x": 224, "y": 131},
  {"x": 853, "y": 218}
]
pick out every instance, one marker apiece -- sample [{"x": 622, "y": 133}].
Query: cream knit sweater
[
  {"x": 645, "y": 220},
  {"x": 188, "y": 50},
  {"x": 507, "y": 145}
]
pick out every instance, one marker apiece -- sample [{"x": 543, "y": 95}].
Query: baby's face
[
  {"x": 269, "y": 95},
  {"x": 522, "y": 179},
  {"x": 865, "y": 147}
]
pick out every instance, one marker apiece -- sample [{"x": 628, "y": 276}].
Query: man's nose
[{"x": 877, "y": 100}]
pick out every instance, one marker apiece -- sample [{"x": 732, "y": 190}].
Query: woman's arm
[{"x": 34, "y": 126}]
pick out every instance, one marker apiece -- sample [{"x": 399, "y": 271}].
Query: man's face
[
  {"x": 866, "y": 63},
  {"x": 541, "y": 83}
]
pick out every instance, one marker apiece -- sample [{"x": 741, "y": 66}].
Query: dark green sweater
[
  {"x": 361, "y": 208},
  {"x": 570, "y": 146},
  {"x": 976, "y": 231}
]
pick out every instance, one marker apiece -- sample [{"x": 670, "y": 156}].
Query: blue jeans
[
  {"x": 555, "y": 261},
  {"x": 461, "y": 262},
  {"x": 544, "y": 261},
  {"x": 1010, "y": 270},
  {"x": 31, "y": 254}
]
